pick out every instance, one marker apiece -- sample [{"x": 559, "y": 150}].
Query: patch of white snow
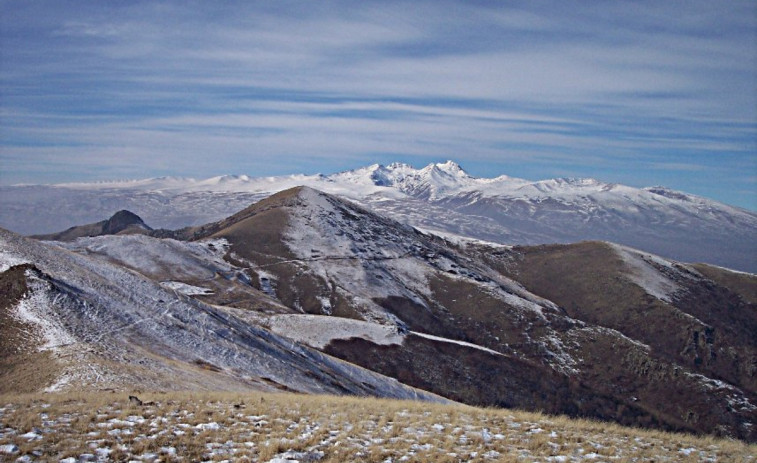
[{"x": 186, "y": 289}]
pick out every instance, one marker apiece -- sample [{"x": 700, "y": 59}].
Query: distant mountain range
[
  {"x": 441, "y": 198},
  {"x": 307, "y": 291}
]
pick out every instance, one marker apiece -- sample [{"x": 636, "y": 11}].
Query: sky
[{"x": 641, "y": 92}]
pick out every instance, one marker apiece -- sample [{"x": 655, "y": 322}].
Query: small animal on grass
[{"x": 134, "y": 400}]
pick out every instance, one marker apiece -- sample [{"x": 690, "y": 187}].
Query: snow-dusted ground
[
  {"x": 37, "y": 308},
  {"x": 158, "y": 258},
  {"x": 131, "y": 323},
  {"x": 371, "y": 258},
  {"x": 294, "y": 428},
  {"x": 646, "y": 272}
]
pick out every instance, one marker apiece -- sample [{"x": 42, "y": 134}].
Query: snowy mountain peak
[
  {"x": 451, "y": 168},
  {"x": 570, "y": 184},
  {"x": 434, "y": 180}
]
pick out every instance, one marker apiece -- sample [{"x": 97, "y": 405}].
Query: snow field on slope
[
  {"x": 352, "y": 250},
  {"x": 649, "y": 278},
  {"x": 318, "y": 330},
  {"x": 37, "y": 308},
  {"x": 323, "y": 230},
  {"x": 288, "y": 428},
  {"x": 453, "y": 341},
  {"x": 186, "y": 289}
]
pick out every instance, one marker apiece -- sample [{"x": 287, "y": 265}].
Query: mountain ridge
[
  {"x": 438, "y": 197},
  {"x": 558, "y": 328}
]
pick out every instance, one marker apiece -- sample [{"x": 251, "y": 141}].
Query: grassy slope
[
  {"x": 259, "y": 427},
  {"x": 743, "y": 283},
  {"x": 590, "y": 282},
  {"x": 22, "y": 367}
]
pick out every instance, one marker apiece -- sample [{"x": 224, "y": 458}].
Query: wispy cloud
[{"x": 623, "y": 91}]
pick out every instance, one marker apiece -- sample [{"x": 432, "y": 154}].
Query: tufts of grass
[{"x": 260, "y": 427}]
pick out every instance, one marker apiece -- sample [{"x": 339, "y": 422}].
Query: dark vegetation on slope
[
  {"x": 709, "y": 327},
  {"x": 122, "y": 222}
]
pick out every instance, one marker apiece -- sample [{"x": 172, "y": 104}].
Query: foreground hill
[
  {"x": 591, "y": 329},
  {"x": 440, "y": 197},
  {"x": 294, "y": 427},
  {"x": 626, "y": 337},
  {"x": 71, "y": 322}
]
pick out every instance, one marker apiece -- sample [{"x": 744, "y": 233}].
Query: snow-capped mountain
[{"x": 441, "y": 198}]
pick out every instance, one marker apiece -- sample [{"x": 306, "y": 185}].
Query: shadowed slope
[{"x": 122, "y": 222}]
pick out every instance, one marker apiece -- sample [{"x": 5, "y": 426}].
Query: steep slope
[
  {"x": 23, "y": 365},
  {"x": 105, "y": 327},
  {"x": 590, "y": 330},
  {"x": 682, "y": 314}
]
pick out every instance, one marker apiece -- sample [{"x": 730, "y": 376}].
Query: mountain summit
[{"x": 122, "y": 222}]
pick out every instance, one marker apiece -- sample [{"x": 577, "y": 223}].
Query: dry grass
[{"x": 263, "y": 427}]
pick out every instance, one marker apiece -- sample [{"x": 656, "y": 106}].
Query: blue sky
[{"x": 641, "y": 93}]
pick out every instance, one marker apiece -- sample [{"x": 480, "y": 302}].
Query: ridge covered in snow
[{"x": 438, "y": 197}]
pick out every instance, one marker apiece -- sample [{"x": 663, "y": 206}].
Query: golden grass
[{"x": 196, "y": 426}]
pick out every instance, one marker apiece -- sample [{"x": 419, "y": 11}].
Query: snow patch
[
  {"x": 460, "y": 343},
  {"x": 36, "y": 308},
  {"x": 8, "y": 260},
  {"x": 9, "y": 448},
  {"x": 319, "y": 330},
  {"x": 186, "y": 289},
  {"x": 644, "y": 274},
  {"x": 734, "y": 396}
]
